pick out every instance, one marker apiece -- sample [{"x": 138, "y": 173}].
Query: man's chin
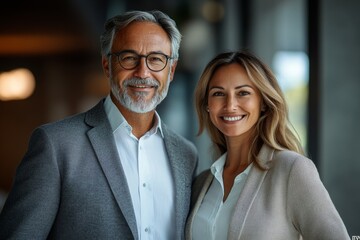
[
  {"x": 141, "y": 106},
  {"x": 142, "y": 99},
  {"x": 140, "y": 109},
  {"x": 139, "y": 102}
]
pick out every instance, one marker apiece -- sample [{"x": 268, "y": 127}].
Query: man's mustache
[{"x": 139, "y": 81}]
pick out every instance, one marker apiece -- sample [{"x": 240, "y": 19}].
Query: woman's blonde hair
[{"x": 273, "y": 127}]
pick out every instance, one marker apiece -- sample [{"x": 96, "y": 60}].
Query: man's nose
[{"x": 142, "y": 70}]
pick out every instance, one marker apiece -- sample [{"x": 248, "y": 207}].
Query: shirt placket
[{"x": 146, "y": 194}]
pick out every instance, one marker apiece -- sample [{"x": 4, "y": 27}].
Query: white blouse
[{"x": 214, "y": 216}]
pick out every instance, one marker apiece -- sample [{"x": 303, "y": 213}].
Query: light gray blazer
[
  {"x": 71, "y": 185},
  {"x": 281, "y": 203}
]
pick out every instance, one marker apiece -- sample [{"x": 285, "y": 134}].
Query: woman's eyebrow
[
  {"x": 238, "y": 87},
  {"x": 245, "y": 85},
  {"x": 215, "y": 87}
]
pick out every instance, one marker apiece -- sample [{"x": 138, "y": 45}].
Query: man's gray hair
[{"x": 115, "y": 24}]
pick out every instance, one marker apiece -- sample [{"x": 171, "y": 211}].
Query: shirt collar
[
  {"x": 217, "y": 167},
  {"x": 117, "y": 120}
]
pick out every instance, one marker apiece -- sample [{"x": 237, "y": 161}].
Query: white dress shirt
[
  {"x": 213, "y": 218},
  {"x": 148, "y": 174}
]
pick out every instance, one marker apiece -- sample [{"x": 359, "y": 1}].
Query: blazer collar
[
  {"x": 103, "y": 143},
  {"x": 265, "y": 156},
  {"x": 250, "y": 191}
]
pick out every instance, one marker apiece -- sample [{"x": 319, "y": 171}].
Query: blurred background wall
[{"x": 313, "y": 46}]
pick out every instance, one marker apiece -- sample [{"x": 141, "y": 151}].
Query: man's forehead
[{"x": 142, "y": 36}]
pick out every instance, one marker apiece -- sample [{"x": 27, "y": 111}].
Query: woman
[{"x": 261, "y": 186}]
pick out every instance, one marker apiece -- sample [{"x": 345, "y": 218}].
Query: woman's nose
[{"x": 231, "y": 103}]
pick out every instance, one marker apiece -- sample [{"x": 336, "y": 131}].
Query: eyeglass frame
[{"x": 117, "y": 54}]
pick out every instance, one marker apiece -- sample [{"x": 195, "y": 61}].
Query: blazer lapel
[
  {"x": 179, "y": 170},
  {"x": 104, "y": 146},
  {"x": 249, "y": 192}
]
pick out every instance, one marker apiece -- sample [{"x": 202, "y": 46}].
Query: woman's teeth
[{"x": 237, "y": 118}]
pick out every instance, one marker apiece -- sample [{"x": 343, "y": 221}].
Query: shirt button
[
  {"x": 147, "y": 229},
  {"x": 144, "y": 184}
]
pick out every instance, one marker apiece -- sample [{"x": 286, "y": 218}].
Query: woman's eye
[
  {"x": 217, "y": 94},
  {"x": 243, "y": 93}
]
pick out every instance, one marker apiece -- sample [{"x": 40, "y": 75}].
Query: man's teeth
[{"x": 233, "y": 118}]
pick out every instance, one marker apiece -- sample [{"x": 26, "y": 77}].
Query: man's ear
[
  {"x": 105, "y": 65},
  {"x": 172, "y": 69}
]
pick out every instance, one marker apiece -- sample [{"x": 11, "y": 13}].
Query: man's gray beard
[{"x": 140, "y": 105}]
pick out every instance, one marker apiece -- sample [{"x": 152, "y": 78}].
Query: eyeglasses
[{"x": 130, "y": 60}]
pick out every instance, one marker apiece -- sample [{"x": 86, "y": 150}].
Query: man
[{"x": 116, "y": 171}]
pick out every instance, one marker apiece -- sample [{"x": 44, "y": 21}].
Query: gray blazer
[
  {"x": 287, "y": 201},
  {"x": 71, "y": 185}
]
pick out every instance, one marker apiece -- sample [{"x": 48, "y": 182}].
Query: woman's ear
[{"x": 263, "y": 107}]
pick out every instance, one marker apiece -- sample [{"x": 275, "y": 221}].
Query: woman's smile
[{"x": 233, "y": 118}]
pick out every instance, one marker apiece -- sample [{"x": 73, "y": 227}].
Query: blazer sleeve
[
  {"x": 31, "y": 206},
  {"x": 309, "y": 204}
]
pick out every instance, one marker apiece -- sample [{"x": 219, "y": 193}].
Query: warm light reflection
[
  {"x": 213, "y": 11},
  {"x": 16, "y": 85}
]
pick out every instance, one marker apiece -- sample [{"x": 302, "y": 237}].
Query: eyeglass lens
[{"x": 154, "y": 61}]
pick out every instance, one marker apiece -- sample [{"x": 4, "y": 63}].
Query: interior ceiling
[{"x": 46, "y": 27}]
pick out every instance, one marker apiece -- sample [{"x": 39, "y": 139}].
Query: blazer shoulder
[
  {"x": 74, "y": 124},
  {"x": 290, "y": 159},
  {"x": 65, "y": 127},
  {"x": 289, "y": 165}
]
